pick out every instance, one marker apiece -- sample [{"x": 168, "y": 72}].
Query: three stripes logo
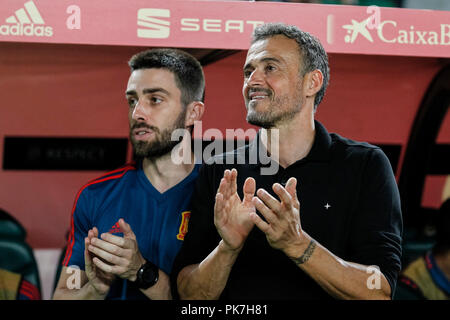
[
  {"x": 26, "y": 21},
  {"x": 152, "y": 25},
  {"x": 115, "y": 228}
]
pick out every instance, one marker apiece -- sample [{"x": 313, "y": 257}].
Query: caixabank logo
[
  {"x": 26, "y": 21},
  {"x": 390, "y": 31}
]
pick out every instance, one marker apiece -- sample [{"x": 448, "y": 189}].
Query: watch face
[{"x": 149, "y": 275}]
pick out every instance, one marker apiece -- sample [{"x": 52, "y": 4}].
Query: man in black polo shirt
[{"x": 326, "y": 223}]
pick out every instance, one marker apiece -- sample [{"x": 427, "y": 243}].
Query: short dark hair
[
  {"x": 312, "y": 53},
  {"x": 187, "y": 70}
]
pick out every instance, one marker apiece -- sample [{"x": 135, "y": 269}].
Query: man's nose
[
  {"x": 140, "y": 111},
  {"x": 256, "y": 78}
]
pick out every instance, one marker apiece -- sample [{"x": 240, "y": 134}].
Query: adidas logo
[
  {"x": 115, "y": 228},
  {"x": 26, "y": 21}
]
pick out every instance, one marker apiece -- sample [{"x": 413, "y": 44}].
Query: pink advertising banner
[{"x": 223, "y": 24}]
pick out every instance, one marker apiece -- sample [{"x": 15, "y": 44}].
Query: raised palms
[{"x": 231, "y": 214}]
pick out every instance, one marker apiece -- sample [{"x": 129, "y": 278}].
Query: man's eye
[
  {"x": 155, "y": 100},
  {"x": 247, "y": 73},
  {"x": 270, "y": 68},
  {"x": 132, "y": 102}
]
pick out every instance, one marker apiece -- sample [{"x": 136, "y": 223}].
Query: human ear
[
  {"x": 313, "y": 82},
  {"x": 194, "y": 112}
]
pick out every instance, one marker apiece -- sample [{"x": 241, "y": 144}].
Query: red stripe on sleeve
[
  {"x": 71, "y": 240},
  {"x": 29, "y": 290},
  {"x": 26, "y": 294}
]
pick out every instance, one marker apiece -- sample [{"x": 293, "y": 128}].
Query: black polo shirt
[{"x": 349, "y": 203}]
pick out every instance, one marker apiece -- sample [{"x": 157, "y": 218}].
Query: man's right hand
[
  {"x": 231, "y": 214},
  {"x": 207, "y": 279},
  {"x": 99, "y": 280}
]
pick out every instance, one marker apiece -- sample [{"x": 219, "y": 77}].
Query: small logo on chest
[
  {"x": 327, "y": 206},
  {"x": 115, "y": 228},
  {"x": 184, "y": 225}
]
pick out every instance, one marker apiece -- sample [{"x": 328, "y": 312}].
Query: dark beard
[
  {"x": 270, "y": 119},
  {"x": 273, "y": 117},
  {"x": 161, "y": 145}
]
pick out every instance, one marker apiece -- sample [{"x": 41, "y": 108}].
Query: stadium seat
[{"x": 15, "y": 254}]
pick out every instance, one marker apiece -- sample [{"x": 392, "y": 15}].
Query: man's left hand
[
  {"x": 283, "y": 229},
  {"x": 118, "y": 255}
]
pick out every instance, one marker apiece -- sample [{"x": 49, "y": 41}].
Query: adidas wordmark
[{"x": 26, "y": 21}]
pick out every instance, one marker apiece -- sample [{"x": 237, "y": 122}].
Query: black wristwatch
[{"x": 147, "y": 275}]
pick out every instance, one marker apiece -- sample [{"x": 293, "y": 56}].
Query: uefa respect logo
[{"x": 26, "y": 21}]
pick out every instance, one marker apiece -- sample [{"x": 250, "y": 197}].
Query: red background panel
[{"x": 78, "y": 91}]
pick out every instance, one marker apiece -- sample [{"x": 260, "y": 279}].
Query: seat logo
[
  {"x": 151, "y": 25},
  {"x": 26, "y": 21}
]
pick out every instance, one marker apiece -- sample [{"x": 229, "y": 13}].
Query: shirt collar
[
  {"x": 320, "y": 150},
  {"x": 436, "y": 273}
]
